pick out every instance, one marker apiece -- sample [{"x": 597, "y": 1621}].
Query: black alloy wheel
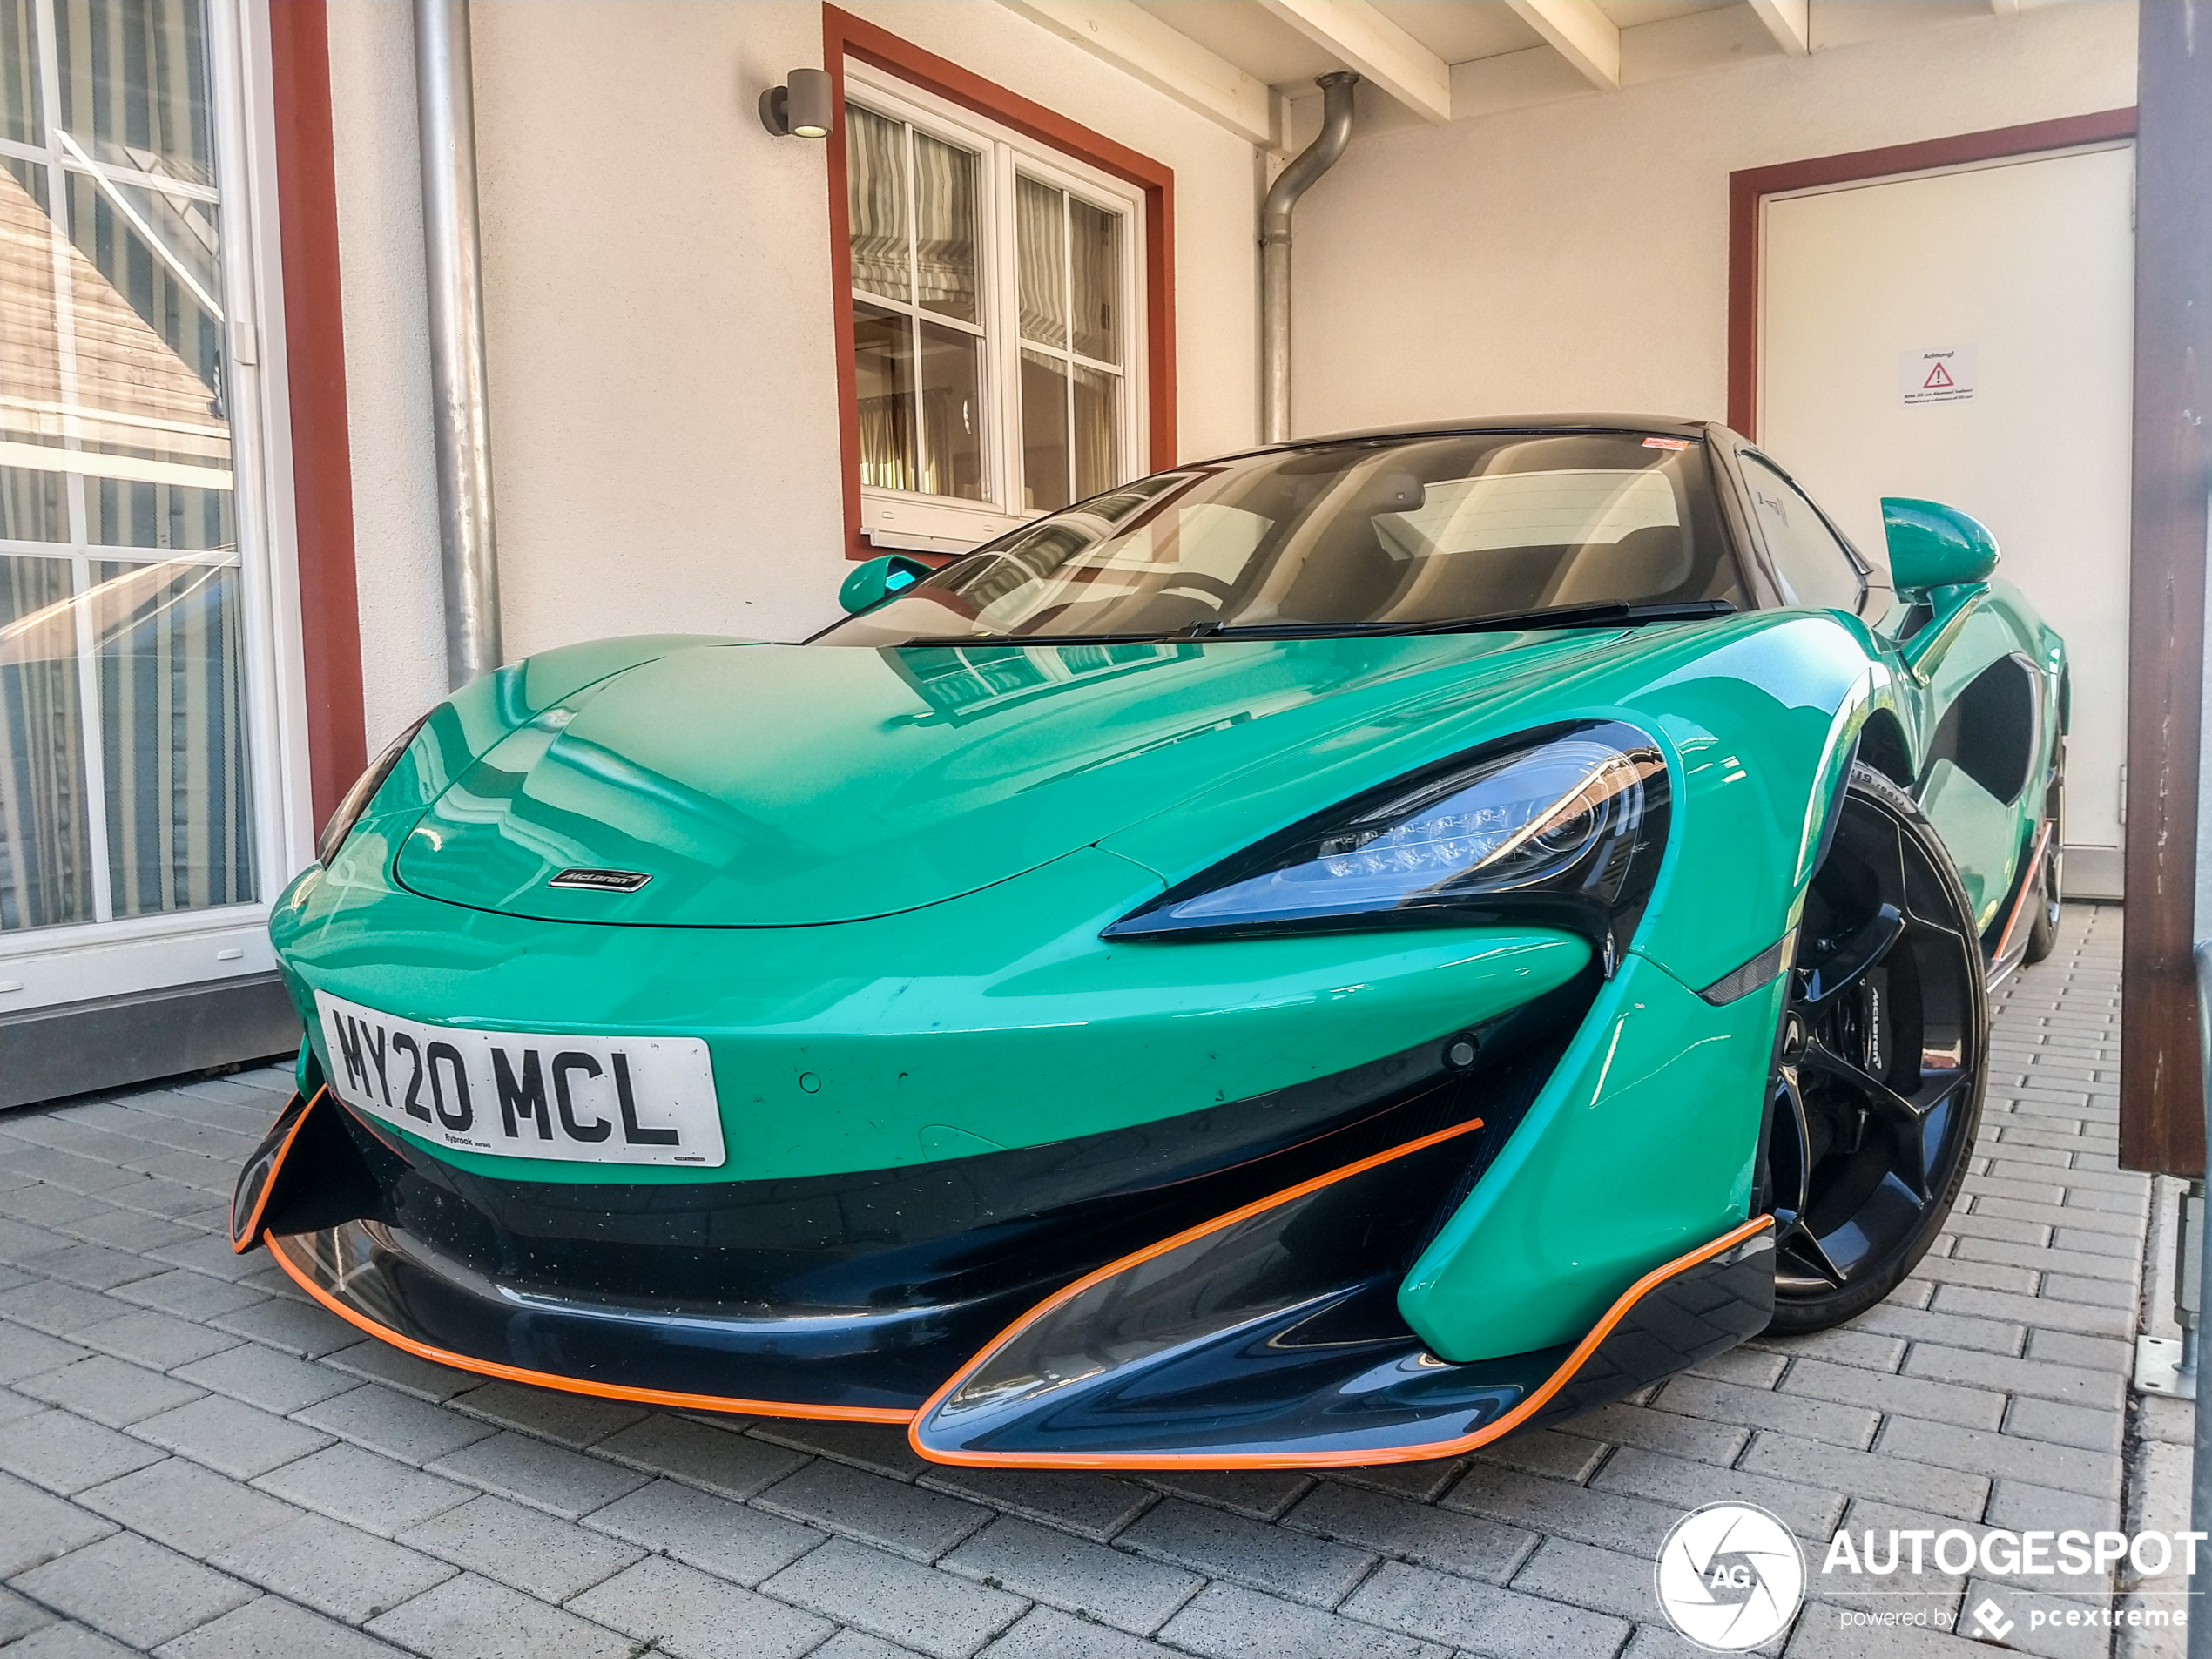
[{"x": 1879, "y": 1063}]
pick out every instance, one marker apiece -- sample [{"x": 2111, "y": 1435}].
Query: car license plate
[{"x": 524, "y": 1094}]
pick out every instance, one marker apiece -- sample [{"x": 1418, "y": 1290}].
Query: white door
[{"x": 1966, "y": 336}]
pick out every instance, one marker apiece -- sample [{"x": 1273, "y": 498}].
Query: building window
[
  {"x": 993, "y": 284},
  {"x": 126, "y": 789}
]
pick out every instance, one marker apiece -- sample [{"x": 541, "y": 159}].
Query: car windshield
[{"x": 1372, "y": 535}]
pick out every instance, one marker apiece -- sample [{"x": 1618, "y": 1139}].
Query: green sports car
[{"x": 1322, "y": 956}]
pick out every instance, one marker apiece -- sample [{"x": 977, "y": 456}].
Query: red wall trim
[
  {"x": 1747, "y": 189},
  {"x": 845, "y": 35},
  {"x": 314, "y": 346}
]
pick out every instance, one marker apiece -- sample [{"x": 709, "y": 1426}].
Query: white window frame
[
  {"x": 83, "y": 961},
  {"x": 907, "y": 519}
]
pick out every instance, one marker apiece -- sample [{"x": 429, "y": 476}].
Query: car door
[{"x": 1979, "y": 697}]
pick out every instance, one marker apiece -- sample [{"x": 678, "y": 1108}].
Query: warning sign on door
[{"x": 1946, "y": 376}]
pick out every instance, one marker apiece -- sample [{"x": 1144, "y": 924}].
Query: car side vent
[{"x": 1989, "y": 731}]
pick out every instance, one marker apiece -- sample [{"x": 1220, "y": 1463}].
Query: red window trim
[
  {"x": 845, "y": 35},
  {"x": 315, "y": 353},
  {"x": 1748, "y": 189}
]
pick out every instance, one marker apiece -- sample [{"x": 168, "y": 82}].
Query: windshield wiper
[
  {"x": 1612, "y": 612},
  {"x": 1182, "y": 636}
]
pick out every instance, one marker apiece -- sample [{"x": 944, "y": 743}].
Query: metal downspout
[
  {"x": 1275, "y": 250},
  {"x": 459, "y": 389}
]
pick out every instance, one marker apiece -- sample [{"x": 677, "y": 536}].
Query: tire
[
  {"x": 2043, "y": 923},
  {"x": 1880, "y": 1060}
]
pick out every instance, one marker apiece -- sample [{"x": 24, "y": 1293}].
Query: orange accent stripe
[
  {"x": 576, "y": 1385},
  {"x": 1505, "y": 1424},
  {"x": 2019, "y": 904},
  {"x": 241, "y": 1243}
]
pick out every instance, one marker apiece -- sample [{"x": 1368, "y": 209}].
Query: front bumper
[{"x": 898, "y": 1295}]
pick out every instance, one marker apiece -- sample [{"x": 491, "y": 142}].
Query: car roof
[{"x": 1662, "y": 425}]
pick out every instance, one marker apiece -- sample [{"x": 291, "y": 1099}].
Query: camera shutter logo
[{"x": 1730, "y": 1576}]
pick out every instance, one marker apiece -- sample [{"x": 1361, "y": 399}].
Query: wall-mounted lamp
[{"x": 801, "y": 108}]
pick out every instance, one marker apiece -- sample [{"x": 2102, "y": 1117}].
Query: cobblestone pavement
[{"x": 200, "y": 1463}]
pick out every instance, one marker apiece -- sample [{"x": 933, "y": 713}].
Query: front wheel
[{"x": 1879, "y": 1063}]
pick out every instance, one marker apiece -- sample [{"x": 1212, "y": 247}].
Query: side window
[{"x": 1815, "y": 568}]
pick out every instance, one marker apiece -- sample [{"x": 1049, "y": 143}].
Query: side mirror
[
  {"x": 1934, "y": 546},
  {"x": 877, "y": 580}
]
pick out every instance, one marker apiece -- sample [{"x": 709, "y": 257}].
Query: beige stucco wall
[
  {"x": 658, "y": 275},
  {"x": 1573, "y": 255}
]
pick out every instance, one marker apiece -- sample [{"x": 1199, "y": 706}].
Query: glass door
[{"x": 129, "y": 792}]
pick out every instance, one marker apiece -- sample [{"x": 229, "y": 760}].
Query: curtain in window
[
  {"x": 179, "y": 819},
  {"x": 876, "y": 196},
  {"x": 45, "y": 852},
  {"x": 1042, "y": 254}
]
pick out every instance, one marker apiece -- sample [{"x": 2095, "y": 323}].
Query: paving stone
[
  {"x": 1911, "y": 1396},
  {"x": 1092, "y": 1506},
  {"x": 2092, "y": 1319},
  {"x": 1791, "y": 1478},
  {"x": 160, "y": 1340},
  {"x": 1950, "y": 1446},
  {"x": 468, "y": 1617},
  {"x": 65, "y": 1453},
  {"x": 241, "y": 1440},
  {"x": 1853, "y": 1344},
  {"x": 394, "y": 1424},
  {"x": 889, "y": 1596},
  {"x": 2019, "y": 1505},
  {"x": 522, "y": 1548},
  {"x": 67, "y": 1642},
  {"x": 1805, "y": 1412},
  {"x": 1227, "y": 1622},
  {"x": 856, "y": 1644},
  {"x": 58, "y": 1310},
  {"x": 18, "y": 1618},
  {"x": 551, "y": 1413},
  {"x": 95, "y": 1267},
  {"x": 1611, "y": 1520},
  {"x": 213, "y": 1256},
  {"x": 303, "y": 1328},
  {"x": 271, "y": 1629},
  {"x": 109, "y": 1391},
  {"x": 382, "y": 1362},
  {"x": 130, "y": 1230},
  {"x": 1695, "y": 1438},
  {"x": 726, "y": 1539},
  {"x": 879, "y": 1446},
  {"x": 1746, "y": 1367},
  {"x": 130, "y": 1589},
  {"x": 1604, "y": 1581},
  {"x": 332, "y": 1567},
  {"x": 2080, "y": 1426},
  {"x": 35, "y": 1528},
  {"x": 913, "y": 1522},
  {"x": 1046, "y": 1633},
  {"x": 736, "y": 1466},
  {"x": 186, "y": 1506},
  {"x": 1541, "y": 1451},
  {"x": 685, "y": 1613},
  {"x": 187, "y": 1294},
  {"x": 1415, "y": 1532},
  {"x": 531, "y": 1472},
  {"x": 1074, "y": 1575},
  {"x": 2072, "y": 1348},
  {"x": 1422, "y": 1482},
  {"x": 1264, "y": 1495},
  {"x": 259, "y": 1376},
  {"x": 1482, "y": 1618},
  {"x": 364, "y": 1489},
  {"x": 1950, "y": 1328},
  {"x": 26, "y": 1353},
  {"x": 2074, "y": 1385},
  {"x": 1222, "y": 1545}
]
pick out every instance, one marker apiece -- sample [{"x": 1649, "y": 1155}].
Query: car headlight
[
  {"x": 355, "y": 800},
  {"x": 1563, "y": 826}
]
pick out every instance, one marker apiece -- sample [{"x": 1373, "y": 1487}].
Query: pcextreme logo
[{"x": 1730, "y": 1576}]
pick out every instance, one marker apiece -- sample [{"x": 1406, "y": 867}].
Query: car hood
[{"x": 760, "y": 786}]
